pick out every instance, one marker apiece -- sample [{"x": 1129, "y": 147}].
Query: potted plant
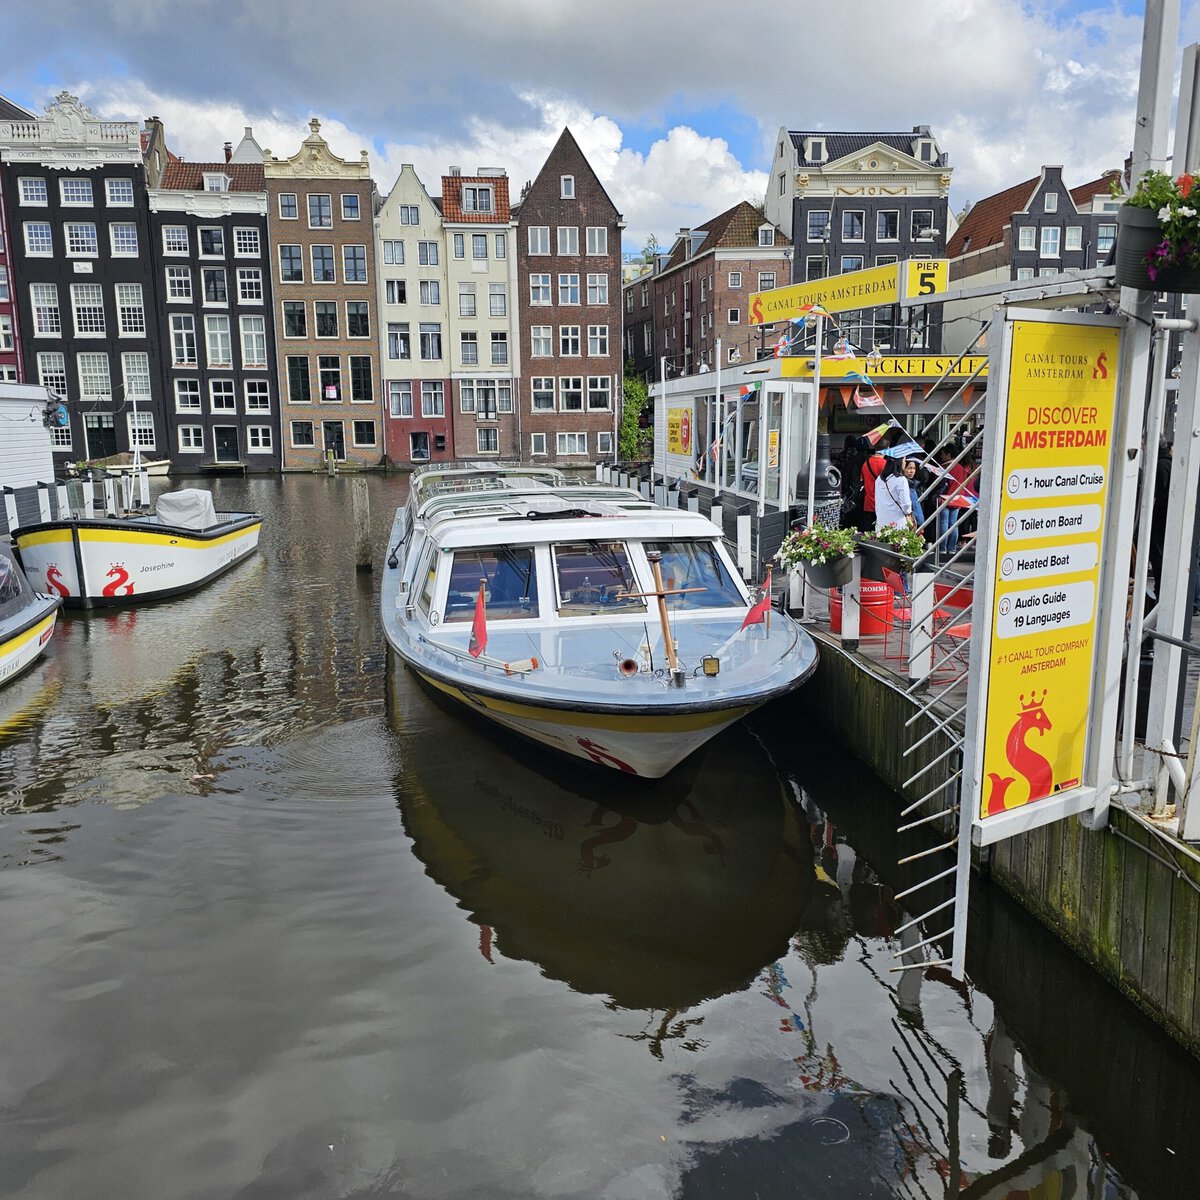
[
  {"x": 885, "y": 545},
  {"x": 825, "y": 553},
  {"x": 1158, "y": 238}
]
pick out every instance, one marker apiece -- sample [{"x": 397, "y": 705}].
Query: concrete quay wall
[{"x": 1127, "y": 899}]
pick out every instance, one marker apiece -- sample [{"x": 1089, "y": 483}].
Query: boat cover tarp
[
  {"x": 15, "y": 592},
  {"x": 190, "y": 508}
]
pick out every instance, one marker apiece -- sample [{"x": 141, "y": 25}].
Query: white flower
[
  {"x": 1164, "y": 213},
  {"x": 1184, "y": 211}
]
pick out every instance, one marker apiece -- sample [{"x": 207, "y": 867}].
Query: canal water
[{"x": 273, "y": 924}]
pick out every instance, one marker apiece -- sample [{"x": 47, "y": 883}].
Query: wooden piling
[{"x": 362, "y": 526}]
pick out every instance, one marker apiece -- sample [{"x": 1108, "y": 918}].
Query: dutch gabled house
[
  {"x": 410, "y": 253},
  {"x": 697, "y": 294},
  {"x": 10, "y": 358},
  {"x": 569, "y": 270},
  {"x": 851, "y": 201},
  {"x": 76, "y": 212},
  {"x": 209, "y": 246},
  {"x": 480, "y": 278},
  {"x": 320, "y": 217}
]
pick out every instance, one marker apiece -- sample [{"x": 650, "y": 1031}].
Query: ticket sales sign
[{"x": 1057, "y": 450}]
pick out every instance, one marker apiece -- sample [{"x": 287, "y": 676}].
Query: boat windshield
[
  {"x": 594, "y": 577},
  {"x": 696, "y": 564},
  {"x": 15, "y": 592},
  {"x": 509, "y": 579}
]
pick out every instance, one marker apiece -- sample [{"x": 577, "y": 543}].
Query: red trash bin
[{"x": 875, "y": 615}]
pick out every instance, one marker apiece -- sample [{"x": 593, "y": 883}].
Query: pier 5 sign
[{"x": 1048, "y": 519}]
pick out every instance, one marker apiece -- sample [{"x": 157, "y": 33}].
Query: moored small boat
[
  {"x": 26, "y": 620},
  {"x": 124, "y": 464},
  {"x": 581, "y": 616},
  {"x": 107, "y": 560}
]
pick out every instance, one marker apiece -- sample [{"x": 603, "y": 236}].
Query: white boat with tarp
[
  {"x": 581, "y": 615},
  {"x": 27, "y": 620}
]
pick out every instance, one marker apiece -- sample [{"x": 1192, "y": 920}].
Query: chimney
[{"x": 228, "y": 151}]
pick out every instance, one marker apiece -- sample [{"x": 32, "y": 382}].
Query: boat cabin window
[
  {"x": 594, "y": 577},
  {"x": 426, "y": 579},
  {"x": 696, "y": 564},
  {"x": 510, "y": 583}
]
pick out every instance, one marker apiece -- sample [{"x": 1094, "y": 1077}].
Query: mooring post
[{"x": 362, "y": 526}]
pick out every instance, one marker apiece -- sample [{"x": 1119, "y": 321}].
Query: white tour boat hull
[{"x": 22, "y": 641}]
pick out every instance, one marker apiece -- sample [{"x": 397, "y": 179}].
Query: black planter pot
[
  {"x": 1138, "y": 232},
  {"x": 835, "y": 573}
]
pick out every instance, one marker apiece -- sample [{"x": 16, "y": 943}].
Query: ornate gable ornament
[
  {"x": 314, "y": 158},
  {"x": 69, "y": 134}
]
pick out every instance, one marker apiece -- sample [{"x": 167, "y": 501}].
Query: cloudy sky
[{"x": 676, "y": 106}]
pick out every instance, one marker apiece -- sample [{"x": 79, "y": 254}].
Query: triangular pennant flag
[
  {"x": 906, "y": 391},
  {"x": 478, "y": 642},
  {"x": 758, "y": 612},
  {"x": 870, "y": 399},
  {"x": 749, "y": 388},
  {"x": 847, "y": 396}
]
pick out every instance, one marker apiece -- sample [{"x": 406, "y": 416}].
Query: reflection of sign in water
[
  {"x": 1054, "y": 489},
  {"x": 679, "y": 431}
]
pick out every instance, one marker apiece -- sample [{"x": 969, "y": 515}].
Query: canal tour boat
[
  {"x": 581, "y": 616},
  {"x": 26, "y": 620},
  {"x": 98, "y": 561}
]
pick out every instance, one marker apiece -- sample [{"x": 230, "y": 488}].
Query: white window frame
[
  {"x": 1074, "y": 238},
  {"x": 566, "y": 187},
  {"x": 246, "y": 242},
  {"x": 187, "y": 396},
  {"x": 131, "y": 309},
  {"x": 597, "y": 239},
  {"x": 70, "y": 183},
  {"x": 400, "y": 398},
  {"x": 537, "y": 445},
  {"x": 1050, "y": 245},
  {"x": 259, "y": 439},
  {"x": 568, "y": 239},
  {"x": 1050, "y": 202},
  {"x": 191, "y": 439},
  {"x": 80, "y": 239},
  {"x": 33, "y": 191},
  {"x": 570, "y": 443},
  {"x": 541, "y": 341},
  {"x": 539, "y": 239},
  {"x": 118, "y": 193},
  {"x": 119, "y": 234},
  {"x": 93, "y": 304}
]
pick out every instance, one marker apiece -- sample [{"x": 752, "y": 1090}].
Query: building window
[
  {"x": 501, "y": 245},
  {"x": 431, "y": 342},
  {"x": 141, "y": 430},
  {"x": 131, "y": 311},
  {"x": 1051, "y": 199},
  {"x": 221, "y": 396},
  {"x": 329, "y": 376},
  {"x": 885, "y": 260},
  {"x": 431, "y": 292},
  {"x": 597, "y": 239},
  {"x": 322, "y": 265},
  {"x": 418, "y": 446},
  {"x": 254, "y": 342},
  {"x": 291, "y": 264},
  {"x": 87, "y": 304},
  {"x": 362, "y": 386},
  {"x": 258, "y": 395},
  {"x": 735, "y": 281},
  {"x": 597, "y": 339},
  {"x": 398, "y": 345},
  {"x": 393, "y": 253},
  {"x": 466, "y": 299},
  {"x": 851, "y": 262},
  {"x": 568, "y": 239},
  {"x": 299, "y": 384},
  {"x": 460, "y": 245},
  {"x": 183, "y": 339},
  {"x": 1024, "y": 274},
  {"x": 39, "y": 241},
  {"x": 33, "y": 192},
  {"x": 1105, "y": 236},
  {"x": 539, "y": 239},
  {"x": 571, "y": 443},
  {"x": 325, "y": 313},
  {"x": 604, "y": 443},
  {"x": 75, "y": 192},
  {"x": 734, "y": 317},
  {"x": 537, "y": 443},
  {"x": 218, "y": 345},
  {"x": 94, "y": 379},
  {"x": 350, "y": 207},
  {"x": 568, "y": 340},
  {"x": 766, "y": 235},
  {"x": 119, "y": 192},
  {"x": 427, "y": 254},
  {"x": 288, "y": 210},
  {"x": 246, "y": 243},
  {"x": 1027, "y": 238},
  {"x": 258, "y": 439},
  {"x": 302, "y": 434},
  {"x": 124, "y": 240},
  {"x": 363, "y": 433},
  {"x": 212, "y": 241},
  {"x": 479, "y": 247},
  {"x": 922, "y": 222},
  {"x": 539, "y": 288},
  {"x": 354, "y": 264},
  {"x": 853, "y": 225},
  {"x": 52, "y": 371},
  {"x": 47, "y": 319},
  {"x": 187, "y": 395},
  {"x": 1074, "y": 238},
  {"x": 216, "y": 183},
  {"x": 410, "y": 214},
  {"x": 358, "y": 319},
  {"x": 395, "y": 291},
  {"x": 477, "y": 198},
  {"x": 887, "y": 225},
  {"x": 568, "y": 289},
  {"x": 499, "y": 349},
  {"x": 566, "y": 187},
  {"x": 400, "y": 398},
  {"x": 179, "y": 283},
  {"x": 597, "y": 289},
  {"x": 570, "y": 393},
  {"x": 81, "y": 240},
  {"x": 1051, "y": 235},
  {"x": 469, "y": 349},
  {"x": 541, "y": 341},
  {"x": 818, "y": 224},
  {"x": 766, "y": 280},
  {"x": 295, "y": 319},
  {"x": 135, "y": 372},
  {"x": 433, "y": 398},
  {"x": 487, "y": 439},
  {"x": 250, "y": 285},
  {"x": 599, "y": 395},
  {"x": 543, "y": 393},
  {"x": 497, "y": 300},
  {"x": 191, "y": 439},
  {"x": 213, "y": 279},
  {"x": 320, "y": 211}
]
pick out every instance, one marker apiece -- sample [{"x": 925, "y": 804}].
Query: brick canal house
[
  {"x": 10, "y": 358},
  {"x": 320, "y": 218}
]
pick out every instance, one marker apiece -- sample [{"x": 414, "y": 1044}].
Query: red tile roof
[
  {"x": 984, "y": 224},
  {"x": 189, "y": 176},
  {"x": 452, "y": 199},
  {"x": 1086, "y": 192},
  {"x": 736, "y": 228}
]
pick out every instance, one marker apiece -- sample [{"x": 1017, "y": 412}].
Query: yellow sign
[
  {"x": 858, "y": 289},
  {"x": 773, "y": 448},
  {"x": 1054, "y": 487},
  {"x": 899, "y": 367},
  {"x": 679, "y": 431}
]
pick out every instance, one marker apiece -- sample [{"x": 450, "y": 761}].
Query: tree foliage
[{"x": 633, "y": 441}]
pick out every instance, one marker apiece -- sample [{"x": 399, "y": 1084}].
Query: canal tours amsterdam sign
[
  {"x": 1051, "y": 457},
  {"x": 897, "y": 283}
]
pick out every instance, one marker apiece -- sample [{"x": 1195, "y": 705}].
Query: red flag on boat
[
  {"x": 479, "y": 625},
  {"x": 758, "y": 613}
]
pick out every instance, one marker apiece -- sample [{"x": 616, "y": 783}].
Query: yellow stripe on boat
[
  {"x": 132, "y": 537},
  {"x": 27, "y": 635}
]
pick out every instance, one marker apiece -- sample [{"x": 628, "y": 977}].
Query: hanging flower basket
[
  {"x": 835, "y": 573},
  {"x": 1158, "y": 231}
]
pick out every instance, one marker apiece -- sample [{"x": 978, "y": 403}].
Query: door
[
  {"x": 101, "y": 435},
  {"x": 225, "y": 443},
  {"x": 335, "y": 439}
]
